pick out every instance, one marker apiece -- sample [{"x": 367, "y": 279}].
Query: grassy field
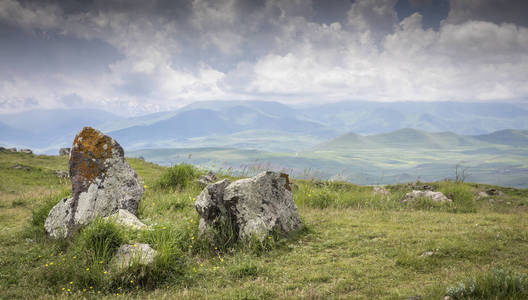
[{"x": 355, "y": 244}]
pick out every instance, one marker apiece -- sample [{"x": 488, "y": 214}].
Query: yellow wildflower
[
  {"x": 51, "y": 263},
  {"x": 71, "y": 282}
]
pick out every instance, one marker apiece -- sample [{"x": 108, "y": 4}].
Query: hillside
[
  {"x": 400, "y": 156},
  {"x": 356, "y": 244}
]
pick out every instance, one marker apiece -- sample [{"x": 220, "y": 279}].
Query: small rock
[
  {"x": 125, "y": 218},
  {"x": 27, "y": 151},
  {"x": 128, "y": 255},
  {"x": 435, "y": 196},
  {"x": 64, "y": 151},
  {"x": 62, "y": 174},
  {"x": 483, "y": 195},
  {"x": 141, "y": 158},
  {"x": 494, "y": 192},
  {"x": 379, "y": 190},
  {"x": 491, "y": 201},
  {"x": 427, "y": 253},
  {"x": 21, "y": 167},
  {"x": 206, "y": 179}
]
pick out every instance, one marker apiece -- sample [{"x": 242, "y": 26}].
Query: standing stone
[
  {"x": 102, "y": 183},
  {"x": 64, "y": 151},
  {"x": 257, "y": 206}
]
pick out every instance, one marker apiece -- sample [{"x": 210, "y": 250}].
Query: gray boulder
[
  {"x": 12, "y": 149},
  {"x": 256, "y": 206},
  {"x": 27, "y": 151},
  {"x": 206, "y": 179},
  {"x": 64, "y": 151},
  {"x": 102, "y": 183},
  {"x": 125, "y": 218},
  {"x": 62, "y": 174},
  {"x": 435, "y": 196},
  {"x": 128, "y": 255}
]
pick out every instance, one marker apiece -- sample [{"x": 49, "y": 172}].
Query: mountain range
[{"x": 260, "y": 125}]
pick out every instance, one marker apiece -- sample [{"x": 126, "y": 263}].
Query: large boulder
[
  {"x": 102, "y": 183},
  {"x": 257, "y": 206}
]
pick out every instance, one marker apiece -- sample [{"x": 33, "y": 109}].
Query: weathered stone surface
[
  {"x": 125, "y": 218},
  {"x": 102, "y": 183},
  {"x": 64, "y": 151},
  {"x": 128, "y": 255},
  {"x": 206, "y": 179},
  {"x": 494, "y": 192},
  {"x": 62, "y": 174},
  {"x": 435, "y": 196},
  {"x": 381, "y": 191},
  {"x": 257, "y": 206},
  {"x": 27, "y": 151},
  {"x": 12, "y": 149}
]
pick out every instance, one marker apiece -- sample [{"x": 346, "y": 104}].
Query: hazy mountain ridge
[{"x": 262, "y": 124}]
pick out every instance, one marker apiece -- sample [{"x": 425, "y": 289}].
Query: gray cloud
[{"x": 142, "y": 56}]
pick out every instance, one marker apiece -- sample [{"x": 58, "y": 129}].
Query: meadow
[{"x": 355, "y": 244}]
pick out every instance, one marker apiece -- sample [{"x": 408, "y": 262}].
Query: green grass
[{"x": 355, "y": 244}]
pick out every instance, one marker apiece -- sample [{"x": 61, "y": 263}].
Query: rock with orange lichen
[{"x": 102, "y": 183}]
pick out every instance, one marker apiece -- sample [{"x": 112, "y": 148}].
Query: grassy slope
[{"x": 358, "y": 245}]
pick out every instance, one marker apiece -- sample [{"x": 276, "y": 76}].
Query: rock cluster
[
  {"x": 102, "y": 183},
  {"x": 434, "y": 196},
  {"x": 256, "y": 206},
  {"x": 27, "y": 151}
]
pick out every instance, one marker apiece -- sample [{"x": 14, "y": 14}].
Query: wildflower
[
  {"x": 51, "y": 263},
  {"x": 46, "y": 265},
  {"x": 104, "y": 272},
  {"x": 131, "y": 281},
  {"x": 119, "y": 288},
  {"x": 71, "y": 282},
  {"x": 68, "y": 290},
  {"x": 117, "y": 294},
  {"x": 221, "y": 259},
  {"x": 164, "y": 227},
  {"x": 84, "y": 290},
  {"x": 87, "y": 269},
  {"x": 39, "y": 256},
  {"x": 201, "y": 265},
  {"x": 98, "y": 292},
  {"x": 63, "y": 289},
  {"x": 135, "y": 245},
  {"x": 269, "y": 237},
  {"x": 91, "y": 287},
  {"x": 74, "y": 257},
  {"x": 101, "y": 262},
  {"x": 190, "y": 246},
  {"x": 192, "y": 237}
]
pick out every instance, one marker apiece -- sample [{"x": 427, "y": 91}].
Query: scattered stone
[
  {"x": 491, "y": 201},
  {"x": 21, "y": 167},
  {"x": 427, "y": 253},
  {"x": 62, "y": 174},
  {"x": 494, "y": 192},
  {"x": 125, "y": 218},
  {"x": 64, "y": 151},
  {"x": 128, "y": 255},
  {"x": 12, "y": 149},
  {"x": 381, "y": 191},
  {"x": 27, "y": 151},
  {"x": 257, "y": 206},
  {"x": 141, "y": 158},
  {"x": 206, "y": 179},
  {"x": 483, "y": 195},
  {"x": 102, "y": 183},
  {"x": 435, "y": 196}
]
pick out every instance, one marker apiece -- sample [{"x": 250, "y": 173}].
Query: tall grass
[{"x": 177, "y": 177}]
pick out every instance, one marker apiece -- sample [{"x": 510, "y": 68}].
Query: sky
[{"x": 139, "y": 56}]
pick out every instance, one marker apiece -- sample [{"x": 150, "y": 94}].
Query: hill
[{"x": 356, "y": 245}]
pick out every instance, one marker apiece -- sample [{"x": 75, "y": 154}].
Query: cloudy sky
[{"x": 139, "y": 56}]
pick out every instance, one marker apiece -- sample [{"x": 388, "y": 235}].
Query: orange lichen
[
  {"x": 287, "y": 185},
  {"x": 90, "y": 149}
]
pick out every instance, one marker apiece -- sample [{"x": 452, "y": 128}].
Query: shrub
[
  {"x": 101, "y": 239},
  {"x": 178, "y": 176},
  {"x": 497, "y": 284}
]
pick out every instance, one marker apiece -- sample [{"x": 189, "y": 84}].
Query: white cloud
[{"x": 234, "y": 50}]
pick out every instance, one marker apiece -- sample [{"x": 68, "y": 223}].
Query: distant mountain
[
  {"x": 506, "y": 137},
  {"x": 196, "y": 121},
  {"x": 412, "y": 138},
  {"x": 381, "y": 117},
  {"x": 52, "y": 129},
  {"x": 265, "y": 125}
]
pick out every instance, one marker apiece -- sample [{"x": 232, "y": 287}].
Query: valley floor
[{"x": 356, "y": 245}]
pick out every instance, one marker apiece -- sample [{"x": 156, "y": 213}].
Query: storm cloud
[{"x": 144, "y": 56}]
